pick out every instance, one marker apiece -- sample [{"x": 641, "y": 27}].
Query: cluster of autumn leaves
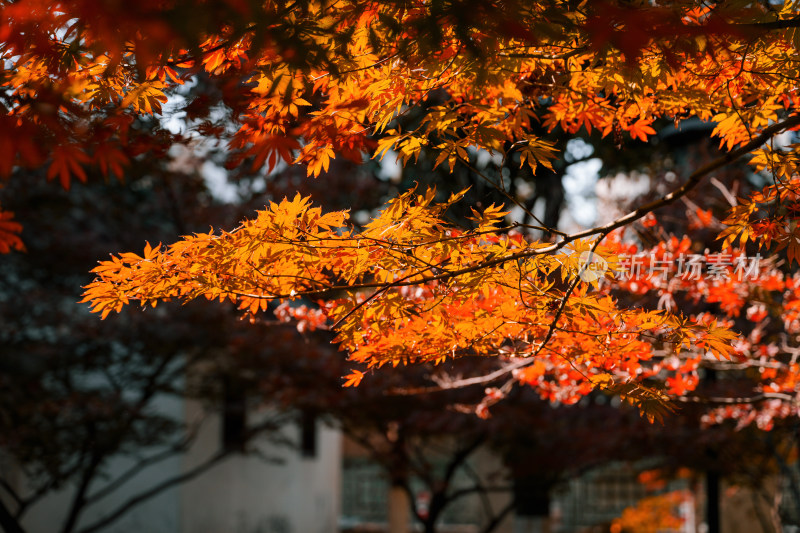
[
  {"x": 374, "y": 78},
  {"x": 418, "y": 289}
]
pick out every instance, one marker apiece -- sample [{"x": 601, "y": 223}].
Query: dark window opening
[
  {"x": 308, "y": 434},
  {"x": 234, "y": 415}
]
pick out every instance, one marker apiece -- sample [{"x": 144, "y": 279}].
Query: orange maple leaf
[
  {"x": 353, "y": 379},
  {"x": 641, "y": 129},
  {"x": 66, "y": 162},
  {"x": 9, "y": 233}
]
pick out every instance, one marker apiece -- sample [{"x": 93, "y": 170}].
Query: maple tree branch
[
  {"x": 367, "y": 67},
  {"x": 383, "y": 289},
  {"x": 793, "y": 22},
  {"x": 693, "y": 181},
  {"x": 201, "y": 53},
  {"x": 562, "y": 305},
  {"x": 552, "y": 57},
  {"x": 758, "y": 398},
  {"x": 464, "y": 382},
  {"x": 724, "y": 191},
  {"x": 231, "y": 39},
  {"x": 505, "y": 193}
]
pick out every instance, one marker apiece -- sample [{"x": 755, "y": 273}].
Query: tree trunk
[
  {"x": 398, "y": 510},
  {"x": 712, "y": 502}
]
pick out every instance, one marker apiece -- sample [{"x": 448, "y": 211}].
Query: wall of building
[{"x": 277, "y": 491}]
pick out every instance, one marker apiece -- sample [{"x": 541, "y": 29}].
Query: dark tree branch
[
  {"x": 498, "y": 518},
  {"x": 477, "y": 488},
  {"x": 773, "y": 25},
  {"x": 460, "y": 456},
  {"x": 7, "y": 520},
  {"x": 132, "y": 471},
  {"x": 155, "y": 490},
  {"x": 99, "y": 453},
  {"x": 483, "y": 494},
  {"x": 79, "y": 498},
  {"x": 5, "y": 485}
]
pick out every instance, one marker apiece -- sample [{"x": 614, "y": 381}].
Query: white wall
[{"x": 247, "y": 494}]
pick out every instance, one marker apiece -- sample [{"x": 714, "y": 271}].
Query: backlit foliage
[
  {"x": 653, "y": 514},
  {"x": 304, "y": 82}
]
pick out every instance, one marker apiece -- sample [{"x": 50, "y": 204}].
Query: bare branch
[
  {"x": 718, "y": 400},
  {"x": 498, "y": 518},
  {"x": 155, "y": 490},
  {"x": 135, "y": 469}
]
